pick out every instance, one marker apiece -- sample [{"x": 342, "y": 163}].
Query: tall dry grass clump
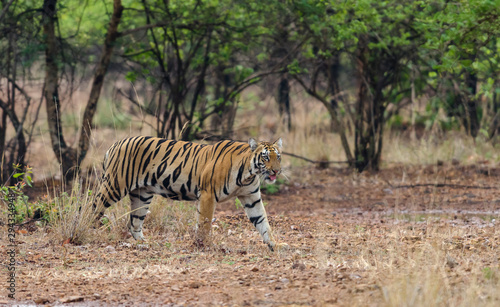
[{"x": 72, "y": 218}]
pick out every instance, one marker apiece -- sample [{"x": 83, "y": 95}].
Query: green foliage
[
  {"x": 22, "y": 207},
  {"x": 85, "y": 23},
  {"x": 359, "y": 229},
  {"x": 490, "y": 274},
  {"x": 238, "y": 204},
  {"x": 43, "y": 210},
  {"x": 195, "y": 57},
  {"x": 199, "y": 40},
  {"x": 47, "y": 211},
  {"x": 274, "y": 188}
]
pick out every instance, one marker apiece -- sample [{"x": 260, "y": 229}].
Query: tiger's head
[{"x": 267, "y": 158}]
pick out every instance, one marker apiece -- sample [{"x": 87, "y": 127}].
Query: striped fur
[{"x": 144, "y": 166}]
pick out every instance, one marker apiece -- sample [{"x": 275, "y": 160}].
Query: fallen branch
[
  {"x": 312, "y": 161},
  {"x": 33, "y": 220},
  {"x": 442, "y": 185}
]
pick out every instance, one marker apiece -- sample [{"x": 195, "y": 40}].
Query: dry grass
[
  {"x": 71, "y": 216},
  {"x": 402, "y": 266},
  {"x": 412, "y": 268}
]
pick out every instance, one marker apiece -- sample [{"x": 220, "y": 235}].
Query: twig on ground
[
  {"x": 312, "y": 161},
  {"x": 442, "y": 185}
]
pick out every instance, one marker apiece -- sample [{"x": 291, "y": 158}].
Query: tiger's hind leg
[
  {"x": 140, "y": 201},
  {"x": 206, "y": 208}
]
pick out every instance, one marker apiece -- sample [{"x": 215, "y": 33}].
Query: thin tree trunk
[
  {"x": 230, "y": 117},
  {"x": 284, "y": 101},
  {"x": 495, "y": 123},
  {"x": 3, "y": 157},
  {"x": 369, "y": 116},
  {"x": 359, "y": 129},
  {"x": 100, "y": 73},
  {"x": 64, "y": 154},
  {"x": 471, "y": 102},
  {"x": 16, "y": 157}
]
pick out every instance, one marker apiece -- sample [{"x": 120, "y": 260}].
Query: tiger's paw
[{"x": 138, "y": 235}]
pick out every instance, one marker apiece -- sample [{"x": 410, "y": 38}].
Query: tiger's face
[{"x": 268, "y": 157}]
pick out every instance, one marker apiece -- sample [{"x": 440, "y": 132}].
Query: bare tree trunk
[
  {"x": 16, "y": 156},
  {"x": 495, "y": 123},
  {"x": 12, "y": 152},
  {"x": 284, "y": 101},
  {"x": 471, "y": 102},
  {"x": 333, "y": 73},
  {"x": 230, "y": 115},
  {"x": 3, "y": 128},
  {"x": 64, "y": 154},
  {"x": 369, "y": 118},
  {"x": 360, "y": 142},
  {"x": 100, "y": 73}
]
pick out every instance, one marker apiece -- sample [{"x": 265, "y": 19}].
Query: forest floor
[{"x": 408, "y": 235}]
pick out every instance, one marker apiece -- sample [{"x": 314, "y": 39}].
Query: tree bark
[
  {"x": 102, "y": 68},
  {"x": 470, "y": 104},
  {"x": 16, "y": 156},
  {"x": 64, "y": 154},
  {"x": 369, "y": 118},
  {"x": 284, "y": 101},
  {"x": 495, "y": 123}
]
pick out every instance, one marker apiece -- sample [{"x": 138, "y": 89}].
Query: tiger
[{"x": 144, "y": 166}]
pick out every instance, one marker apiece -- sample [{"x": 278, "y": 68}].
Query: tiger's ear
[
  {"x": 279, "y": 143},
  {"x": 253, "y": 144}
]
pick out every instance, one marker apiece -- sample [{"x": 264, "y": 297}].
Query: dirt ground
[{"x": 408, "y": 235}]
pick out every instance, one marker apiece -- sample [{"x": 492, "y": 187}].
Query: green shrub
[{"x": 270, "y": 189}]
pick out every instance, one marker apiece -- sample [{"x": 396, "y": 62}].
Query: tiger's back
[{"x": 170, "y": 168}]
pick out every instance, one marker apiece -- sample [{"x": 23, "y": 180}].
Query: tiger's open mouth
[{"x": 270, "y": 178}]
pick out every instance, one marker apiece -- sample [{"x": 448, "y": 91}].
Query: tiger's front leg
[{"x": 254, "y": 209}]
